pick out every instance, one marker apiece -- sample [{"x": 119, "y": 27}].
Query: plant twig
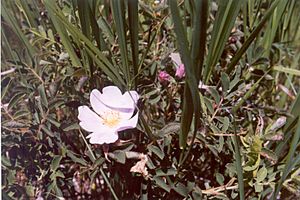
[{"x": 101, "y": 170}]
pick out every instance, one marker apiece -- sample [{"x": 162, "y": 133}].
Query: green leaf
[
  {"x": 261, "y": 174},
  {"x": 133, "y": 30},
  {"x": 225, "y": 124},
  {"x": 76, "y": 159},
  {"x": 223, "y": 25},
  {"x": 5, "y": 83},
  {"x": 237, "y": 56},
  {"x": 118, "y": 156},
  {"x": 270, "y": 155},
  {"x": 160, "y": 182},
  {"x": 15, "y": 99},
  {"x": 9, "y": 18},
  {"x": 294, "y": 72},
  {"x": 118, "y": 15},
  {"x": 289, "y": 160},
  {"x": 42, "y": 93},
  {"x": 55, "y": 162},
  {"x": 172, "y": 127},
  {"x": 191, "y": 94},
  {"x": 220, "y": 178},
  {"x": 225, "y": 83},
  {"x": 46, "y": 130},
  {"x": 157, "y": 151},
  {"x": 181, "y": 189},
  {"x": 168, "y": 172}
]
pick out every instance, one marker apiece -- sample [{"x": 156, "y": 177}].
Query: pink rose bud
[
  {"x": 180, "y": 71},
  {"x": 163, "y": 77}
]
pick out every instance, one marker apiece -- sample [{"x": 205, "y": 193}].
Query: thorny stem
[{"x": 101, "y": 170}]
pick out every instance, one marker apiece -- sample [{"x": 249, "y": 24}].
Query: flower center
[{"x": 111, "y": 118}]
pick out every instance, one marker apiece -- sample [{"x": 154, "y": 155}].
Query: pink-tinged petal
[
  {"x": 180, "y": 71},
  {"x": 96, "y": 103},
  {"x": 113, "y": 98},
  {"x": 112, "y": 91},
  {"x": 89, "y": 120},
  {"x": 163, "y": 77},
  {"x": 101, "y": 137},
  {"x": 126, "y": 114},
  {"x": 128, "y": 124},
  {"x": 176, "y": 58},
  {"x": 133, "y": 95}
]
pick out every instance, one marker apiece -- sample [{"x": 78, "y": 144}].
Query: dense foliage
[{"x": 228, "y": 129}]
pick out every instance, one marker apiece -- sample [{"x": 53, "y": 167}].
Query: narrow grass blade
[
  {"x": 272, "y": 26},
  {"x": 101, "y": 170},
  {"x": 28, "y": 13},
  {"x": 251, "y": 38},
  {"x": 118, "y": 15},
  {"x": 289, "y": 125},
  {"x": 225, "y": 19},
  {"x": 191, "y": 80},
  {"x": 65, "y": 39},
  {"x": 90, "y": 48},
  {"x": 133, "y": 30},
  {"x": 295, "y": 72},
  {"x": 238, "y": 161},
  {"x": 289, "y": 161},
  {"x": 11, "y": 20},
  {"x": 199, "y": 35}
]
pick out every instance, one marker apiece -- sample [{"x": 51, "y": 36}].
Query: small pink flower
[
  {"x": 180, "y": 71},
  {"x": 163, "y": 77}
]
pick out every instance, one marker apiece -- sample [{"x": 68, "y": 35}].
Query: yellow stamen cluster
[{"x": 111, "y": 118}]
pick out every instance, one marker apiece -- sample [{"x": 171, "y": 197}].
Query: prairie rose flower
[
  {"x": 163, "y": 77},
  {"x": 180, "y": 71},
  {"x": 113, "y": 113}
]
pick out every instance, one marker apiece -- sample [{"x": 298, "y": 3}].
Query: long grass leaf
[
  {"x": 11, "y": 20},
  {"x": 289, "y": 161},
  {"x": 289, "y": 125},
  {"x": 191, "y": 79},
  {"x": 133, "y": 30},
  {"x": 225, "y": 19},
  {"x": 64, "y": 37},
  {"x": 118, "y": 15},
  {"x": 199, "y": 36},
  {"x": 97, "y": 55},
  {"x": 251, "y": 38}
]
